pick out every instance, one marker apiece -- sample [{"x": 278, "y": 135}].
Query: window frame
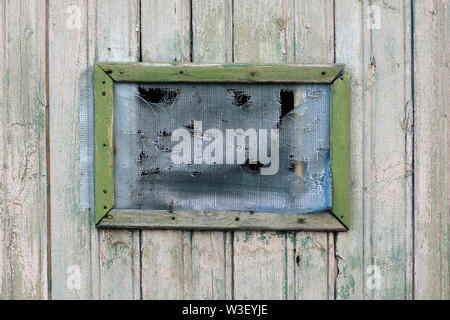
[{"x": 106, "y": 216}]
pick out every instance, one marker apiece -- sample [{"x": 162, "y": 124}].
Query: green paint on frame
[
  {"x": 142, "y": 72},
  {"x": 103, "y": 143},
  {"x": 340, "y": 148}
]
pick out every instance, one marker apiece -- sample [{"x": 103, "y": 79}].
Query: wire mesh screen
[{"x": 261, "y": 148}]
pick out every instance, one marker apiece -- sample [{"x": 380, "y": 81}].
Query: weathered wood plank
[
  {"x": 119, "y": 265},
  {"x": 387, "y": 70},
  {"x": 165, "y": 30},
  {"x": 163, "y": 265},
  {"x": 259, "y": 265},
  {"x": 262, "y": 34},
  {"x": 209, "y": 272},
  {"x": 382, "y": 106},
  {"x": 221, "y": 220},
  {"x": 211, "y": 251},
  {"x": 432, "y": 149},
  {"x": 314, "y": 43},
  {"x": 212, "y": 33},
  {"x": 311, "y": 266},
  {"x": 23, "y": 182},
  {"x": 4, "y": 276},
  {"x": 74, "y": 237},
  {"x": 166, "y": 264},
  {"x": 314, "y": 31},
  {"x": 348, "y": 275},
  {"x": 117, "y": 40}
]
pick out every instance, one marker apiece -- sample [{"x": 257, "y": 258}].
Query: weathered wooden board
[
  {"x": 220, "y": 220},
  {"x": 387, "y": 170},
  {"x": 400, "y": 158},
  {"x": 86, "y": 263},
  {"x": 165, "y": 28},
  {"x": 259, "y": 258},
  {"x": 212, "y": 252},
  {"x": 23, "y": 182},
  {"x": 270, "y": 34},
  {"x": 386, "y": 103},
  {"x": 432, "y": 150},
  {"x": 314, "y": 43},
  {"x": 117, "y": 39},
  {"x": 348, "y": 276},
  {"x": 74, "y": 238}
]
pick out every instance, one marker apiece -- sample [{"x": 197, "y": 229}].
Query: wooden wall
[{"x": 400, "y": 150}]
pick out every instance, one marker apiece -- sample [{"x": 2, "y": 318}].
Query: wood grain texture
[
  {"x": 166, "y": 255},
  {"x": 212, "y": 33},
  {"x": 117, "y": 40},
  {"x": 119, "y": 265},
  {"x": 212, "y": 252},
  {"x": 4, "y": 276},
  {"x": 220, "y": 220},
  {"x": 81, "y": 256},
  {"x": 23, "y": 182},
  {"x": 348, "y": 275},
  {"x": 314, "y": 43},
  {"x": 213, "y": 73},
  {"x": 385, "y": 77},
  {"x": 74, "y": 237},
  {"x": 314, "y": 31},
  {"x": 259, "y": 265},
  {"x": 311, "y": 264},
  {"x": 262, "y": 34},
  {"x": 165, "y": 30},
  {"x": 387, "y": 227},
  {"x": 432, "y": 150}
]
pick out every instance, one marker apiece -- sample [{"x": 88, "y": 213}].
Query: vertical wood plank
[
  {"x": 165, "y": 30},
  {"x": 314, "y": 31},
  {"x": 23, "y": 182},
  {"x": 166, "y": 255},
  {"x": 119, "y": 265},
  {"x": 314, "y": 43},
  {"x": 4, "y": 277},
  {"x": 259, "y": 265},
  {"x": 272, "y": 30},
  {"x": 72, "y": 229},
  {"x": 382, "y": 110},
  {"x": 348, "y": 278},
  {"x": 212, "y": 42},
  {"x": 387, "y": 69},
  {"x": 212, "y": 31},
  {"x": 263, "y": 33},
  {"x": 163, "y": 265},
  {"x": 311, "y": 266},
  {"x": 117, "y": 40},
  {"x": 432, "y": 149}
]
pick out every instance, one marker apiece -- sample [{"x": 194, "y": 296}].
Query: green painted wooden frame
[{"x": 338, "y": 219}]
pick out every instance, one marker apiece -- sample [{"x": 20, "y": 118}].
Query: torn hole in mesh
[{"x": 158, "y": 96}]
